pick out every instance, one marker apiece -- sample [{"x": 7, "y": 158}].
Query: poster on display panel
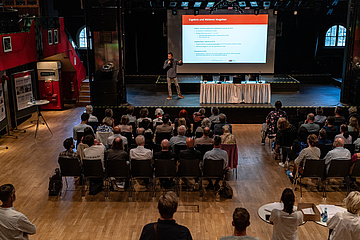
[
  {"x": 2, "y": 103},
  {"x": 23, "y": 89}
]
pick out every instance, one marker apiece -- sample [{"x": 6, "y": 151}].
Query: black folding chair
[
  {"x": 148, "y": 138},
  {"x": 198, "y": 134},
  {"x": 165, "y": 169},
  {"x": 189, "y": 168},
  {"x": 350, "y": 147},
  {"x": 178, "y": 148},
  {"x": 354, "y": 135},
  {"x": 338, "y": 169},
  {"x": 356, "y": 170},
  {"x": 314, "y": 168},
  {"x": 117, "y": 169},
  {"x": 93, "y": 169},
  {"x": 141, "y": 169},
  {"x": 203, "y": 148},
  {"x": 79, "y": 136},
  {"x": 128, "y": 136},
  {"x": 161, "y": 136},
  {"x": 331, "y": 135},
  {"x": 324, "y": 149},
  {"x": 213, "y": 169},
  {"x": 94, "y": 125},
  {"x": 69, "y": 167},
  {"x": 133, "y": 125}
]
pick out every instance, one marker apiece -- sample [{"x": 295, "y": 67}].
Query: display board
[
  {"x": 23, "y": 89},
  {"x": 2, "y": 103}
]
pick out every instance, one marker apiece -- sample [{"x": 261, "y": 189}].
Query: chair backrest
[
  {"x": 161, "y": 136},
  {"x": 128, "y": 136},
  {"x": 203, "y": 148},
  {"x": 116, "y": 168},
  {"x": 133, "y": 125},
  {"x": 213, "y": 168},
  {"x": 324, "y": 149},
  {"x": 178, "y": 148},
  {"x": 69, "y": 167},
  {"x": 141, "y": 169},
  {"x": 288, "y": 139},
  {"x": 103, "y": 136},
  {"x": 354, "y": 135},
  {"x": 356, "y": 169},
  {"x": 93, "y": 168},
  {"x": 339, "y": 168},
  {"x": 189, "y": 168},
  {"x": 156, "y": 147},
  {"x": 198, "y": 134},
  {"x": 331, "y": 135},
  {"x": 94, "y": 125},
  {"x": 165, "y": 168},
  {"x": 350, "y": 147},
  {"x": 314, "y": 168},
  {"x": 148, "y": 137},
  {"x": 79, "y": 136}
]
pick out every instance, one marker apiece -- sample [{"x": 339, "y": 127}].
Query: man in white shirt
[
  {"x": 140, "y": 153},
  {"x": 216, "y": 153},
  {"x": 117, "y": 134},
  {"x": 338, "y": 153},
  {"x": 13, "y": 224},
  {"x": 94, "y": 151}
]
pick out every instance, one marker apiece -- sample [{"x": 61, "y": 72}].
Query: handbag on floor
[
  {"x": 225, "y": 191},
  {"x": 55, "y": 183}
]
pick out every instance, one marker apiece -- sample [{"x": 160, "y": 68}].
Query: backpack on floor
[{"x": 55, "y": 183}]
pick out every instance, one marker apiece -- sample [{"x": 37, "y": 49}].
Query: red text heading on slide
[{"x": 224, "y": 19}]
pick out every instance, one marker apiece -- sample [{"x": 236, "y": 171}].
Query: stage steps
[{"x": 84, "y": 94}]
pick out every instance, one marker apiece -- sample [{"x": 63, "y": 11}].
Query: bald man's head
[
  {"x": 190, "y": 142},
  {"x": 339, "y": 142},
  {"x": 116, "y": 130},
  {"x": 165, "y": 145},
  {"x": 206, "y": 131}
]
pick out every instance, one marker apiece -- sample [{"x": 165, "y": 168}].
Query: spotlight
[
  {"x": 196, "y": 11},
  {"x": 197, "y": 4},
  {"x": 266, "y": 4},
  {"x": 330, "y": 12},
  {"x": 295, "y": 12},
  {"x": 184, "y": 4},
  {"x": 174, "y": 11},
  {"x": 275, "y": 12},
  {"x": 256, "y": 11},
  {"x": 242, "y": 4},
  {"x": 254, "y": 4}
]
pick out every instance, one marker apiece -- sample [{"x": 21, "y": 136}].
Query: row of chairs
[
  {"x": 325, "y": 148},
  {"x": 141, "y": 169},
  {"x": 315, "y": 168}
]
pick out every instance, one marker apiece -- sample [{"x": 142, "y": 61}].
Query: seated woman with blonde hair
[{"x": 227, "y": 137}]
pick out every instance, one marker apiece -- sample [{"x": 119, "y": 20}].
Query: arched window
[
  {"x": 82, "y": 37},
  {"x": 335, "y": 36}
]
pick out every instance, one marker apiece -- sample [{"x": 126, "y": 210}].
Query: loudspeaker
[
  {"x": 106, "y": 76},
  {"x": 104, "y": 99},
  {"x": 104, "y": 87}
]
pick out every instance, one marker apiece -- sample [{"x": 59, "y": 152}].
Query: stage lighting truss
[{"x": 229, "y": 4}]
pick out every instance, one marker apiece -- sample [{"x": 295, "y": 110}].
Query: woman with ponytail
[
  {"x": 344, "y": 134},
  {"x": 287, "y": 220}
]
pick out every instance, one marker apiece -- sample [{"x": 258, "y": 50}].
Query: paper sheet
[
  {"x": 331, "y": 209},
  {"x": 275, "y": 205},
  {"x": 308, "y": 211}
]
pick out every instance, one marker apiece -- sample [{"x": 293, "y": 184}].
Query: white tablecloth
[{"x": 235, "y": 93}]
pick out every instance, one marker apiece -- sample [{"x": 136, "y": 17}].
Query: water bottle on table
[{"x": 325, "y": 216}]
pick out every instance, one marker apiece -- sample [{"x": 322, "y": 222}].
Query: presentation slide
[{"x": 224, "y": 38}]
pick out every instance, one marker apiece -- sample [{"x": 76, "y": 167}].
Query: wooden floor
[{"x": 28, "y": 164}]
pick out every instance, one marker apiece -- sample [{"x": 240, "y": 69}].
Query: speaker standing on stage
[{"x": 170, "y": 65}]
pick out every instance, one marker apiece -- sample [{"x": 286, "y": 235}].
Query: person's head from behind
[
  {"x": 241, "y": 219},
  {"x": 352, "y": 110},
  {"x": 331, "y": 120},
  {"x": 288, "y": 198},
  {"x": 145, "y": 123},
  {"x": 89, "y": 109},
  {"x": 222, "y": 118},
  {"x": 182, "y": 121},
  {"x": 144, "y": 112},
  {"x": 319, "y": 111},
  {"x": 130, "y": 110},
  {"x": 159, "y": 112},
  {"x": 89, "y": 140},
  {"x": 215, "y": 111},
  {"x": 217, "y": 141},
  {"x": 183, "y": 114},
  {"x": 167, "y": 205},
  {"x": 85, "y": 117},
  {"x": 338, "y": 110},
  {"x": 7, "y": 194},
  {"x": 118, "y": 144},
  {"x": 107, "y": 121},
  {"x": 278, "y": 105},
  {"x": 170, "y": 55},
  {"x": 323, "y": 133},
  {"x": 352, "y": 202},
  {"x": 301, "y": 113},
  {"x": 205, "y": 123},
  {"x": 109, "y": 113},
  {"x": 88, "y": 131},
  {"x": 124, "y": 120},
  {"x": 190, "y": 142},
  {"x": 282, "y": 124},
  {"x": 226, "y": 128},
  {"x": 116, "y": 130},
  {"x": 202, "y": 111},
  {"x": 69, "y": 143},
  {"x": 165, "y": 145},
  {"x": 339, "y": 142},
  {"x": 303, "y": 133},
  {"x": 182, "y": 130},
  {"x": 313, "y": 140},
  {"x": 310, "y": 117},
  {"x": 343, "y": 128},
  {"x": 206, "y": 131},
  {"x": 353, "y": 122},
  {"x": 140, "y": 140},
  {"x": 140, "y": 131},
  {"x": 166, "y": 119}
]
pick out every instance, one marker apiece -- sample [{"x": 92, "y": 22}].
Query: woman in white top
[
  {"x": 346, "y": 225},
  {"x": 311, "y": 152},
  {"x": 287, "y": 220},
  {"x": 344, "y": 134}
]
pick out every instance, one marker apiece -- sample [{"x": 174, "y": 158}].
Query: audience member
[
  {"x": 310, "y": 125},
  {"x": 130, "y": 113},
  {"x": 80, "y": 127},
  {"x": 353, "y": 125},
  {"x": 216, "y": 153},
  {"x": 241, "y": 220},
  {"x": 94, "y": 151},
  {"x": 330, "y": 125},
  {"x": 166, "y": 227},
  {"x": 13, "y": 224},
  {"x": 344, "y": 134},
  {"x": 140, "y": 131},
  {"x": 83, "y": 145},
  {"x": 227, "y": 137},
  {"x": 339, "y": 119},
  {"x": 69, "y": 145},
  {"x": 116, "y": 152},
  {"x": 299, "y": 118},
  {"x": 117, "y": 134},
  {"x": 214, "y": 118},
  {"x": 190, "y": 152},
  {"x": 198, "y": 117},
  {"x": 180, "y": 139},
  {"x": 124, "y": 127},
  {"x": 183, "y": 114},
  {"x": 165, "y": 152},
  {"x": 140, "y": 153},
  {"x": 271, "y": 121},
  {"x": 353, "y": 113},
  {"x": 205, "y": 139},
  {"x": 357, "y": 145},
  {"x": 319, "y": 117},
  {"x": 109, "y": 116},
  {"x": 182, "y": 121},
  {"x": 158, "y": 117},
  {"x": 287, "y": 220},
  {"x": 145, "y": 124},
  {"x": 346, "y": 225},
  {"x": 218, "y": 128},
  {"x": 106, "y": 126},
  {"x": 285, "y": 137},
  {"x": 204, "y": 123},
  {"x": 323, "y": 137},
  {"x": 89, "y": 110},
  {"x": 144, "y": 112},
  {"x": 338, "y": 153},
  {"x": 165, "y": 127},
  {"x": 311, "y": 152}
]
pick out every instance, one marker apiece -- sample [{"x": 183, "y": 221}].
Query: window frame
[
  {"x": 337, "y": 37},
  {"x": 79, "y": 38}
]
